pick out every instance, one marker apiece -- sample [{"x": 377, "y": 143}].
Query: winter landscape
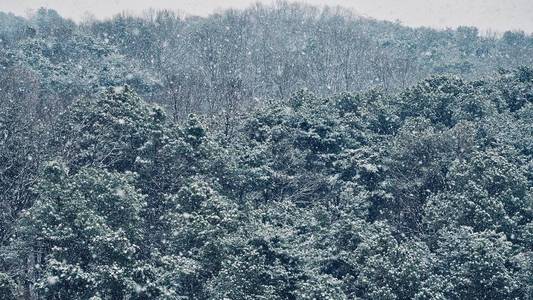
[{"x": 278, "y": 150}]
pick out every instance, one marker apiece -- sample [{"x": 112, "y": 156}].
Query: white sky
[{"x": 497, "y": 15}]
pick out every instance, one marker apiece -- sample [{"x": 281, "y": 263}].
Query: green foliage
[
  {"x": 476, "y": 266},
  {"x": 87, "y": 228},
  {"x": 485, "y": 192},
  {"x": 347, "y": 197},
  {"x": 7, "y": 287},
  {"x": 423, "y": 193},
  {"x": 111, "y": 131}
]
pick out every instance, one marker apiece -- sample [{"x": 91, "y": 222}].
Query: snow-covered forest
[{"x": 283, "y": 151}]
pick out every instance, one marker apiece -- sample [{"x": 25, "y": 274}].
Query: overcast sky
[{"x": 498, "y": 15}]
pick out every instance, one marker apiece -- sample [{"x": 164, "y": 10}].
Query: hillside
[
  {"x": 236, "y": 59},
  {"x": 278, "y": 152}
]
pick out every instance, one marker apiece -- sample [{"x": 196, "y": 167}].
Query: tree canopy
[{"x": 129, "y": 170}]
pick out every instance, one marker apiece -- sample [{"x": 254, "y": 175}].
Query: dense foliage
[{"x": 399, "y": 190}]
